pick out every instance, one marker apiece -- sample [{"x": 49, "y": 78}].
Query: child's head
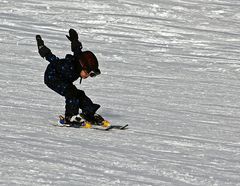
[{"x": 89, "y": 64}]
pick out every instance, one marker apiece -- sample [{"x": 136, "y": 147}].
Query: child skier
[{"x": 61, "y": 73}]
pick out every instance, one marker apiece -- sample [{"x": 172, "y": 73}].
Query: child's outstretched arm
[
  {"x": 76, "y": 45},
  {"x": 44, "y": 51}
]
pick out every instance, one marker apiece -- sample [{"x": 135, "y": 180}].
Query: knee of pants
[{"x": 73, "y": 92}]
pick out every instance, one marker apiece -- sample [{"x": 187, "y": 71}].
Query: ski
[
  {"x": 103, "y": 125},
  {"x": 120, "y": 127},
  {"x": 95, "y": 127}
]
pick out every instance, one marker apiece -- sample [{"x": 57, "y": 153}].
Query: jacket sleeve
[
  {"x": 77, "y": 52},
  {"x": 52, "y": 58}
]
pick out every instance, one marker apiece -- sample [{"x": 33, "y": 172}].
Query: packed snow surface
[{"x": 170, "y": 69}]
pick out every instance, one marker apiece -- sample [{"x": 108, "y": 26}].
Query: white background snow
[{"x": 170, "y": 69}]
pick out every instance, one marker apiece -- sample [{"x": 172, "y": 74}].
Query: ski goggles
[{"x": 94, "y": 73}]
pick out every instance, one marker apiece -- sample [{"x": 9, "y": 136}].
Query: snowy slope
[{"x": 170, "y": 69}]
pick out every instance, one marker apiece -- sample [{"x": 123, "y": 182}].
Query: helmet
[{"x": 88, "y": 61}]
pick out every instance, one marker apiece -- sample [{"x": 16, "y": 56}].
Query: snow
[{"x": 170, "y": 69}]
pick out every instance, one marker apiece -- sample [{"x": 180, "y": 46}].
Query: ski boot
[
  {"x": 74, "y": 121},
  {"x": 96, "y": 119},
  {"x": 100, "y": 120}
]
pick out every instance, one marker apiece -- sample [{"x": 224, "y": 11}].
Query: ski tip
[{"x": 124, "y": 127}]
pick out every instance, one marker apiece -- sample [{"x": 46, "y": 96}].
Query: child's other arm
[{"x": 44, "y": 51}]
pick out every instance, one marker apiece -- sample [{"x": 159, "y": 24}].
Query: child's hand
[
  {"x": 76, "y": 45},
  {"x": 40, "y": 42},
  {"x": 42, "y": 49},
  {"x": 73, "y": 35}
]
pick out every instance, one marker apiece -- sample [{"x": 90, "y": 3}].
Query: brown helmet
[{"x": 88, "y": 61}]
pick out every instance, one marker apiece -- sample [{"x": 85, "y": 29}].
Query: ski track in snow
[{"x": 170, "y": 69}]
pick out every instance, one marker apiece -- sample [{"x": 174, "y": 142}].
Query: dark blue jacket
[
  {"x": 61, "y": 73},
  {"x": 67, "y": 68}
]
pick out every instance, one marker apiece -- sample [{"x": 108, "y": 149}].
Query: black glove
[
  {"x": 76, "y": 45},
  {"x": 73, "y": 35},
  {"x": 42, "y": 49}
]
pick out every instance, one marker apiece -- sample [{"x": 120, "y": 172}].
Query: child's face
[{"x": 84, "y": 74}]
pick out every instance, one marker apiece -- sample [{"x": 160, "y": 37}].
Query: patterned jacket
[{"x": 67, "y": 69}]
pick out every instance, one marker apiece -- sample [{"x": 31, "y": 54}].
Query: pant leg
[
  {"x": 64, "y": 88},
  {"x": 71, "y": 107},
  {"x": 85, "y": 103},
  {"x": 81, "y": 101}
]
